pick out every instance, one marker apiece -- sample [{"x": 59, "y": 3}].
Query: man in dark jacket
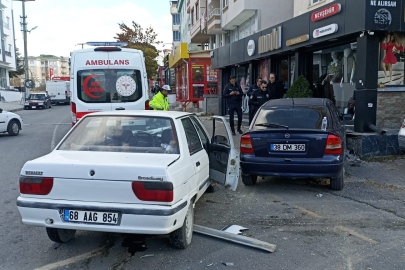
[
  {"x": 233, "y": 93},
  {"x": 258, "y": 98},
  {"x": 249, "y": 93},
  {"x": 276, "y": 88}
]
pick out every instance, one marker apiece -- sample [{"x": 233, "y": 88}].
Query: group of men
[{"x": 258, "y": 94}]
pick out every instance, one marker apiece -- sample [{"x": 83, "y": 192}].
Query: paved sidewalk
[{"x": 14, "y": 106}]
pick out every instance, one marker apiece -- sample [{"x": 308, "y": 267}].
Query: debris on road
[
  {"x": 235, "y": 229},
  {"x": 319, "y": 195},
  {"x": 211, "y": 264},
  {"x": 227, "y": 263},
  {"x": 239, "y": 239},
  {"x": 148, "y": 255}
]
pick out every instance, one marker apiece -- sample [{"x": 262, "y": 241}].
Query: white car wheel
[
  {"x": 13, "y": 128},
  {"x": 181, "y": 238}
]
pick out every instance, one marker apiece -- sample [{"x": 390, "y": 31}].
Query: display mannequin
[
  {"x": 334, "y": 72},
  {"x": 349, "y": 72}
]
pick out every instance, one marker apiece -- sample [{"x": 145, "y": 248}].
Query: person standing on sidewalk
[
  {"x": 233, "y": 93},
  {"x": 275, "y": 87},
  {"x": 258, "y": 98},
  {"x": 249, "y": 93}
]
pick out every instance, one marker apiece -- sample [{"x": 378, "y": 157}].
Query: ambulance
[{"x": 107, "y": 77}]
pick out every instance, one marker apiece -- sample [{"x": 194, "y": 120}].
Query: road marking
[
  {"x": 71, "y": 260},
  {"x": 315, "y": 215},
  {"x": 356, "y": 234}
]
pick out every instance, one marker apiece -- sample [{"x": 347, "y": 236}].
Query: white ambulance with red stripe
[{"x": 107, "y": 78}]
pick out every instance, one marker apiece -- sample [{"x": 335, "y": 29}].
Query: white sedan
[
  {"x": 128, "y": 172},
  {"x": 10, "y": 122}
]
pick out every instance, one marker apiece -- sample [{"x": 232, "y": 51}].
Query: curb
[{"x": 16, "y": 110}]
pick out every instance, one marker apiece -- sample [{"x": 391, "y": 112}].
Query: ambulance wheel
[
  {"x": 60, "y": 235},
  {"x": 181, "y": 238}
]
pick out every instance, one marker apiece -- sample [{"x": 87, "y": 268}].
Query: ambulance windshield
[{"x": 109, "y": 85}]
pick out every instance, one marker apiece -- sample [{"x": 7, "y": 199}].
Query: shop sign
[
  {"x": 297, "y": 40},
  {"x": 326, "y": 30},
  {"x": 270, "y": 42},
  {"x": 327, "y": 12},
  {"x": 383, "y": 19},
  {"x": 377, "y": 3},
  {"x": 251, "y": 48}
]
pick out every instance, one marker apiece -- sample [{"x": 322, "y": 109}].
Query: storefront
[
  {"x": 194, "y": 76},
  {"x": 341, "y": 48}
]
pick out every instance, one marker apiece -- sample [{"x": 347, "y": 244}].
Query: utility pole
[
  {"x": 82, "y": 44},
  {"x": 25, "y": 50}
]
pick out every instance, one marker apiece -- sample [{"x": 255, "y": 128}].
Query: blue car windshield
[{"x": 292, "y": 117}]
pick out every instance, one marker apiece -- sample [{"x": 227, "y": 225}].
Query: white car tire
[
  {"x": 13, "y": 128},
  {"x": 181, "y": 238},
  {"x": 60, "y": 235}
]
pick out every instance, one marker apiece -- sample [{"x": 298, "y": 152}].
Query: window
[
  {"x": 7, "y": 23},
  {"x": 176, "y": 36},
  {"x": 313, "y": 2},
  {"x": 140, "y": 134},
  {"x": 176, "y": 19},
  {"x": 10, "y": 47},
  {"x": 225, "y": 4},
  {"x": 203, "y": 136},
  {"x": 31, "y": 62},
  {"x": 294, "y": 117},
  {"x": 193, "y": 141},
  {"x": 192, "y": 16},
  {"x": 99, "y": 86},
  {"x": 197, "y": 11}
]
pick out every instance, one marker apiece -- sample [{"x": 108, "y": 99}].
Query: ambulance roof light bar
[{"x": 121, "y": 44}]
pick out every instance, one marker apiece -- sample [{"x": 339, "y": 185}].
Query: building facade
[
  {"x": 8, "y": 58},
  {"x": 175, "y": 23},
  {"x": 44, "y": 67},
  {"x": 344, "y": 48}
]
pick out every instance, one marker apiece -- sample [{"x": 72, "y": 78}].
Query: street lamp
[
  {"x": 24, "y": 29},
  {"x": 29, "y": 31}
]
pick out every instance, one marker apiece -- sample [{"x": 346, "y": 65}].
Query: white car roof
[{"x": 168, "y": 114}]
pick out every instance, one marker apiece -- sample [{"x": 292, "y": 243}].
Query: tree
[
  {"x": 20, "y": 65},
  {"x": 137, "y": 36},
  {"x": 300, "y": 89},
  {"x": 144, "y": 40}
]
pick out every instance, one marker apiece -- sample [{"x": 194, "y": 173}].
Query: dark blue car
[{"x": 302, "y": 137}]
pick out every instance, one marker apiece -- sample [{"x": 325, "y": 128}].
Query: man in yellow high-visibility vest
[{"x": 159, "y": 101}]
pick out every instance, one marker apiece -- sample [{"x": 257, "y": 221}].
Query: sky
[{"x": 62, "y": 24}]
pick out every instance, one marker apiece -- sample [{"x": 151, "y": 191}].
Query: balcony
[
  {"x": 214, "y": 22},
  {"x": 173, "y": 9},
  {"x": 7, "y": 53},
  {"x": 198, "y": 30},
  {"x": 188, "y": 6},
  {"x": 175, "y": 27}
]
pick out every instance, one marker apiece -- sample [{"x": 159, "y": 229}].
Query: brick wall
[{"x": 390, "y": 109}]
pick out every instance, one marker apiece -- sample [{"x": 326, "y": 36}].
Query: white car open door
[{"x": 224, "y": 158}]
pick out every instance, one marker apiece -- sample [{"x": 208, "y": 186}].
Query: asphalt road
[{"x": 361, "y": 227}]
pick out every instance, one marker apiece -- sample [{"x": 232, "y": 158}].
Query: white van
[
  {"x": 107, "y": 78},
  {"x": 59, "y": 91}
]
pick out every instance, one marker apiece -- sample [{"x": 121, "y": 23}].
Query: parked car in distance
[
  {"x": 135, "y": 172},
  {"x": 38, "y": 100},
  {"x": 287, "y": 138},
  {"x": 10, "y": 122},
  {"x": 401, "y": 137}
]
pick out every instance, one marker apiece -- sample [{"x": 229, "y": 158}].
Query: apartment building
[
  {"x": 175, "y": 23},
  {"x": 44, "y": 67},
  {"x": 8, "y": 58}
]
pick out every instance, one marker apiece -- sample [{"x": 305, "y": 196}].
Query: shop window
[
  {"x": 334, "y": 74},
  {"x": 198, "y": 73},
  {"x": 391, "y": 61}
]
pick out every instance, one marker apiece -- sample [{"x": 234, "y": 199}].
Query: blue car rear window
[{"x": 293, "y": 117}]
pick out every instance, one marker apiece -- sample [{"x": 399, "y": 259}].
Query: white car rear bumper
[{"x": 137, "y": 219}]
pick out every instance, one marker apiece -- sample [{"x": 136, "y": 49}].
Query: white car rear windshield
[
  {"x": 109, "y": 85},
  {"x": 123, "y": 134}
]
